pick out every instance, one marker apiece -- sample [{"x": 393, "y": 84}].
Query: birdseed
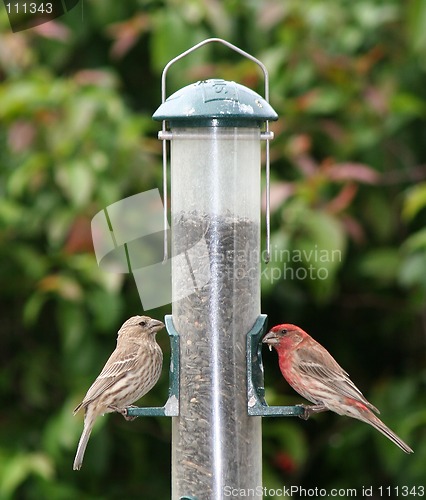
[{"x": 215, "y": 442}]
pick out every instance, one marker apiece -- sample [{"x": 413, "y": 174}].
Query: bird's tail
[
  {"x": 89, "y": 420},
  {"x": 371, "y": 419}
]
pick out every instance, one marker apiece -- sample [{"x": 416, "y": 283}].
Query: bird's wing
[
  {"x": 320, "y": 365},
  {"x": 115, "y": 368}
]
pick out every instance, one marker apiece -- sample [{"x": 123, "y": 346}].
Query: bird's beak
[
  {"x": 155, "y": 325},
  {"x": 271, "y": 339}
]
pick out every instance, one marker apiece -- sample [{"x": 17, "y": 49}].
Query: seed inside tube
[{"x": 210, "y": 321}]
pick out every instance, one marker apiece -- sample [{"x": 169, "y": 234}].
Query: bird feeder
[{"x": 215, "y": 129}]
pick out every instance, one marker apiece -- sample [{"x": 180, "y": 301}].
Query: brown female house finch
[
  {"x": 311, "y": 370},
  {"x": 130, "y": 372}
]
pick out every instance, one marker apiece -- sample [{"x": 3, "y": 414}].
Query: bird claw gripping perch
[
  {"x": 124, "y": 411},
  {"x": 309, "y": 410},
  {"x": 171, "y": 407},
  {"x": 257, "y": 405}
]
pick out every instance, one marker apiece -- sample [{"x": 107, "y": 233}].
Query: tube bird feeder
[
  {"x": 215, "y": 129},
  {"x": 216, "y": 388}
]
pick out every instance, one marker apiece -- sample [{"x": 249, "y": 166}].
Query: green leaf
[
  {"x": 106, "y": 308},
  {"x": 413, "y": 271},
  {"x": 416, "y": 23},
  {"x": 326, "y": 100},
  {"x": 378, "y": 216},
  {"x": 171, "y": 37},
  {"x": 319, "y": 243},
  {"x": 77, "y": 180},
  {"x": 416, "y": 242},
  {"x": 20, "y": 467},
  {"x": 381, "y": 265},
  {"x": 415, "y": 201},
  {"x": 33, "y": 307},
  {"x": 62, "y": 430},
  {"x": 408, "y": 104}
]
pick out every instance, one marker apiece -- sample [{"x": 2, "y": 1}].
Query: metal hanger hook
[{"x": 267, "y": 135}]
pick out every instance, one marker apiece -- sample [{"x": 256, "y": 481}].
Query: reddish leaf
[
  {"x": 79, "y": 237},
  {"x": 285, "y": 462},
  {"x": 53, "y": 30},
  {"x": 279, "y": 192},
  {"x": 343, "y": 199},
  {"x": 353, "y": 172}
]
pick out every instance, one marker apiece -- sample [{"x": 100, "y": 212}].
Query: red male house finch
[
  {"x": 311, "y": 370},
  {"x": 130, "y": 372}
]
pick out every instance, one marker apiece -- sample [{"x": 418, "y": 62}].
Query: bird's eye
[
  {"x": 284, "y": 331},
  {"x": 142, "y": 323}
]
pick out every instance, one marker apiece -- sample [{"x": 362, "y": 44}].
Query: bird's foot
[
  {"x": 123, "y": 411},
  {"x": 309, "y": 410}
]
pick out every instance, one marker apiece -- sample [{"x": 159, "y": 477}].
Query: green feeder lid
[{"x": 215, "y": 103}]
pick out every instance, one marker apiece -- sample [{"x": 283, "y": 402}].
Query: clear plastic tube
[{"x": 215, "y": 189}]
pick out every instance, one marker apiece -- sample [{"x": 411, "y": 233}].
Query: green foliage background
[{"x": 348, "y": 174}]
